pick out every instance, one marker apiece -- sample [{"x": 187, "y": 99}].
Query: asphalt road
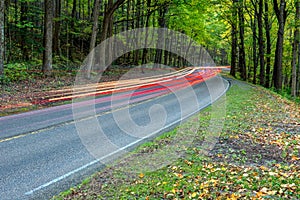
[{"x": 46, "y": 151}]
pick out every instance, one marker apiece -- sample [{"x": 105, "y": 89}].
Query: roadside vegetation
[{"x": 257, "y": 156}]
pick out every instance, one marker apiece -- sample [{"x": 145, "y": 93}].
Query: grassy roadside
[{"x": 256, "y": 156}]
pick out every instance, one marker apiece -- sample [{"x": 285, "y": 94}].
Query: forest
[{"x": 259, "y": 39}]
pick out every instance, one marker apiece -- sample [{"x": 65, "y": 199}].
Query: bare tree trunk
[
  {"x": 242, "y": 59},
  {"x": 295, "y": 51},
  {"x": 281, "y": 14},
  {"x": 145, "y": 51},
  {"x": 48, "y": 37},
  {"x": 56, "y": 34},
  {"x": 161, "y": 34},
  {"x": 253, "y": 22},
  {"x": 137, "y": 25},
  {"x": 112, "y": 7},
  {"x": 234, "y": 40},
  {"x": 93, "y": 37},
  {"x": 89, "y": 10},
  {"x": 298, "y": 74},
  {"x": 107, "y": 17},
  {"x": 261, "y": 44},
  {"x": 2, "y": 44},
  {"x": 254, "y": 38},
  {"x": 268, "y": 38},
  {"x": 24, "y": 30},
  {"x": 72, "y": 26},
  {"x": 109, "y": 53}
]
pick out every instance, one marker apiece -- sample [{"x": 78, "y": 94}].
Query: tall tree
[
  {"x": 233, "y": 38},
  {"x": 108, "y": 16},
  {"x": 261, "y": 43},
  {"x": 72, "y": 27},
  {"x": 281, "y": 15},
  {"x": 57, "y": 25},
  {"x": 148, "y": 14},
  {"x": 253, "y": 23},
  {"x": 242, "y": 57},
  {"x": 254, "y": 43},
  {"x": 295, "y": 50},
  {"x": 161, "y": 33},
  {"x": 2, "y": 45},
  {"x": 94, "y": 36},
  {"x": 48, "y": 37},
  {"x": 269, "y": 44},
  {"x": 24, "y": 30}
]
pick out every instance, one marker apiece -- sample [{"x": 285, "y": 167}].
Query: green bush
[{"x": 15, "y": 72}]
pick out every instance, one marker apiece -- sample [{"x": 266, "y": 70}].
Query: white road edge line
[{"x": 121, "y": 149}]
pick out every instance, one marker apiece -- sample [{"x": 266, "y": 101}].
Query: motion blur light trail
[{"x": 150, "y": 86}]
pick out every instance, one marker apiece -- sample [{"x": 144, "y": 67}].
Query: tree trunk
[
  {"x": 107, "y": 17},
  {"x": 242, "y": 59},
  {"x": 298, "y": 74},
  {"x": 72, "y": 27},
  {"x": 234, "y": 40},
  {"x": 145, "y": 50},
  {"x": 161, "y": 37},
  {"x": 253, "y": 22},
  {"x": 254, "y": 38},
  {"x": 281, "y": 14},
  {"x": 261, "y": 43},
  {"x": 2, "y": 44},
  {"x": 93, "y": 37},
  {"x": 137, "y": 25},
  {"x": 109, "y": 53},
  {"x": 112, "y": 7},
  {"x": 295, "y": 50},
  {"x": 268, "y": 38},
  {"x": 48, "y": 37},
  {"x": 56, "y": 34},
  {"x": 24, "y": 30}
]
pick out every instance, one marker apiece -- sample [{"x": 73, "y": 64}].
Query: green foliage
[
  {"x": 286, "y": 93},
  {"x": 20, "y": 71},
  {"x": 16, "y": 72}
]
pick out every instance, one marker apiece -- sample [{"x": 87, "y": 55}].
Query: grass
[{"x": 256, "y": 156}]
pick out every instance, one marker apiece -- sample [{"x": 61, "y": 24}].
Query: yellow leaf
[
  {"x": 194, "y": 194},
  {"x": 233, "y": 197},
  {"x": 260, "y": 194},
  {"x": 188, "y": 162},
  {"x": 178, "y": 175},
  {"x": 294, "y": 158},
  {"x": 263, "y": 168},
  {"x": 141, "y": 175},
  {"x": 255, "y": 174}
]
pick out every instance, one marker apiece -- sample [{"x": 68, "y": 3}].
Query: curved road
[{"x": 42, "y": 152}]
